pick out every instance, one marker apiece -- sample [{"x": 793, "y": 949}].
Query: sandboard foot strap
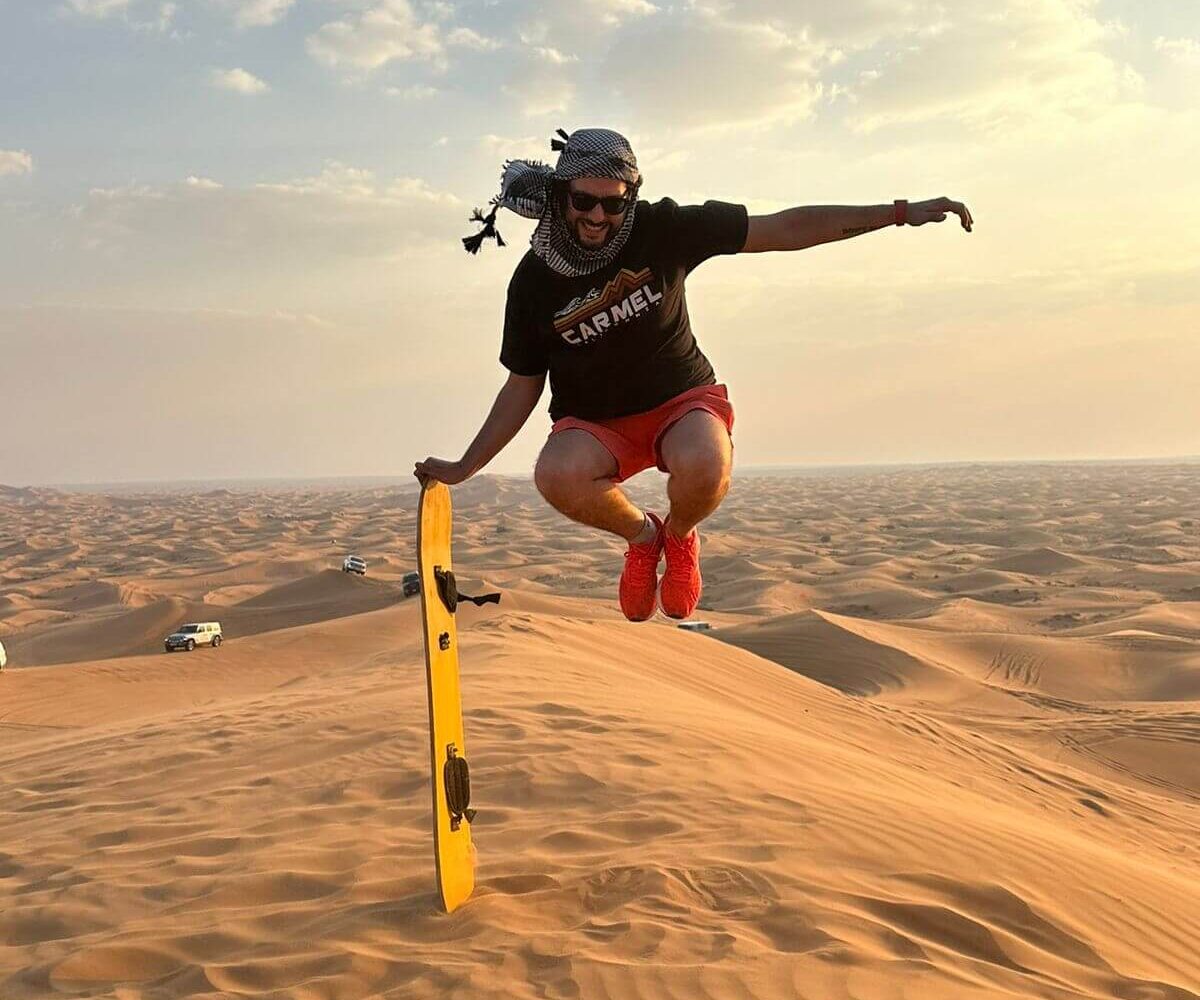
[
  {"x": 448, "y": 591},
  {"x": 457, "y": 778}
]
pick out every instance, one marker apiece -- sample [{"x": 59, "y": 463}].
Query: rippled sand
[{"x": 943, "y": 741}]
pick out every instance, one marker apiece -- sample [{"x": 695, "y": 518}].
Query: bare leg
[
  {"x": 699, "y": 456},
  {"x": 575, "y": 474}
]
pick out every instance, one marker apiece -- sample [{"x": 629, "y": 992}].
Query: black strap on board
[
  {"x": 448, "y": 590},
  {"x": 457, "y": 778}
]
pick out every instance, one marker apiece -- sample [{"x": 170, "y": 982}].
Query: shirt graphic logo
[{"x": 628, "y": 295}]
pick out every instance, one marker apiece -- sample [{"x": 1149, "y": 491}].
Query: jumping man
[{"x": 598, "y": 304}]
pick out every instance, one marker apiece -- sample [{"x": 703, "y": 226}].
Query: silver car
[{"x": 194, "y": 634}]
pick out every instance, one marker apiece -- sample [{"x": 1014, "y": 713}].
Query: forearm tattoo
[{"x": 857, "y": 230}]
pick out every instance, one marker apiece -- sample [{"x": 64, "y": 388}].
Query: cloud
[
  {"x": 1181, "y": 50},
  {"x": 615, "y": 11},
  {"x": 468, "y": 39},
  {"x": 15, "y": 161},
  {"x": 539, "y": 89},
  {"x": 576, "y": 25},
  {"x": 388, "y": 30},
  {"x": 98, "y": 8},
  {"x": 972, "y": 65},
  {"x": 246, "y": 13},
  {"x": 336, "y": 179},
  {"x": 656, "y": 159},
  {"x": 414, "y": 92},
  {"x": 258, "y": 13},
  {"x": 440, "y": 10},
  {"x": 854, "y": 24},
  {"x": 687, "y": 68},
  {"x": 156, "y": 19},
  {"x": 552, "y": 55},
  {"x": 238, "y": 80},
  {"x": 866, "y": 63},
  {"x": 166, "y": 14},
  {"x": 344, "y": 212},
  {"x": 502, "y": 147}
]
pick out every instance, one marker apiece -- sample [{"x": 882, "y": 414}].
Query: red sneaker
[
  {"x": 681, "y": 582},
  {"x": 639, "y": 579}
]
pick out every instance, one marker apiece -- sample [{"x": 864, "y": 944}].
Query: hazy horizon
[
  {"x": 229, "y": 229},
  {"x": 371, "y": 481}
]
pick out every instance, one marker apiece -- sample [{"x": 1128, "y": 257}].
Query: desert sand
[{"x": 942, "y": 742}]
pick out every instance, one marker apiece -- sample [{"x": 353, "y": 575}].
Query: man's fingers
[
  {"x": 438, "y": 469},
  {"x": 936, "y": 210}
]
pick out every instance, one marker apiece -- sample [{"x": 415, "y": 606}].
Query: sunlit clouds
[
  {"x": 15, "y": 161},
  {"x": 238, "y": 80},
  {"x": 170, "y": 172}
]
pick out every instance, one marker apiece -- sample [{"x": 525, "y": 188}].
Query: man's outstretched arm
[
  {"x": 811, "y": 225},
  {"x": 515, "y": 401}
]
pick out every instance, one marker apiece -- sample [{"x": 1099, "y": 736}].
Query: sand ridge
[{"x": 944, "y": 742}]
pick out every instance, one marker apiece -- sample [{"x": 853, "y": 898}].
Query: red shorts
[{"x": 633, "y": 440}]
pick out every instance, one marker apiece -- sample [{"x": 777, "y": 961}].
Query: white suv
[
  {"x": 354, "y": 564},
  {"x": 196, "y": 634}
]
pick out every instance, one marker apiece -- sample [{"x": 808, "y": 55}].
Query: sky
[{"x": 229, "y": 229}]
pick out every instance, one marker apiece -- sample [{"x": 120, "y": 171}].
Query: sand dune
[
  {"x": 140, "y": 630},
  {"x": 1043, "y": 561},
  {"x": 940, "y": 744},
  {"x": 966, "y": 614},
  {"x": 328, "y": 586},
  {"x": 819, "y": 645},
  {"x": 1181, "y": 618}
]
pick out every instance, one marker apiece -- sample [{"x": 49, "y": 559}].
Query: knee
[
  {"x": 559, "y": 479},
  {"x": 569, "y": 468},
  {"x": 701, "y": 473},
  {"x": 548, "y": 479}
]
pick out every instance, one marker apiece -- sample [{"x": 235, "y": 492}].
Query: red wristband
[{"x": 901, "y": 211}]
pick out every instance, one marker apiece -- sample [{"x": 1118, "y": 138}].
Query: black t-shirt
[{"x": 618, "y": 341}]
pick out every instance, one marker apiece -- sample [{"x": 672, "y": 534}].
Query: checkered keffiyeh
[{"x": 527, "y": 187}]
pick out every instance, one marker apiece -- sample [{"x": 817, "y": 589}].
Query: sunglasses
[{"x": 614, "y": 204}]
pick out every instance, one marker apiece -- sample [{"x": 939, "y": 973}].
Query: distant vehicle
[
  {"x": 3, "y": 656},
  {"x": 411, "y": 584},
  {"x": 354, "y": 564},
  {"x": 696, "y": 626},
  {"x": 194, "y": 634}
]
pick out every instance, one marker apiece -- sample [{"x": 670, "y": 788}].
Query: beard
[
  {"x": 590, "y": 237},
  {"x": 556, "y": 240}
]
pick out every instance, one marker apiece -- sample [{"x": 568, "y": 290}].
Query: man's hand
[
  {"x": 449, "y": 473},
  {"x": 934, "y": 210}
]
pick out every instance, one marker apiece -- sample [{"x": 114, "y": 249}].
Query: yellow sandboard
[{"x": 453, "y": 852}]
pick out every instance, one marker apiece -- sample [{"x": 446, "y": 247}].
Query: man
[{"x": 598, "y": 304}]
